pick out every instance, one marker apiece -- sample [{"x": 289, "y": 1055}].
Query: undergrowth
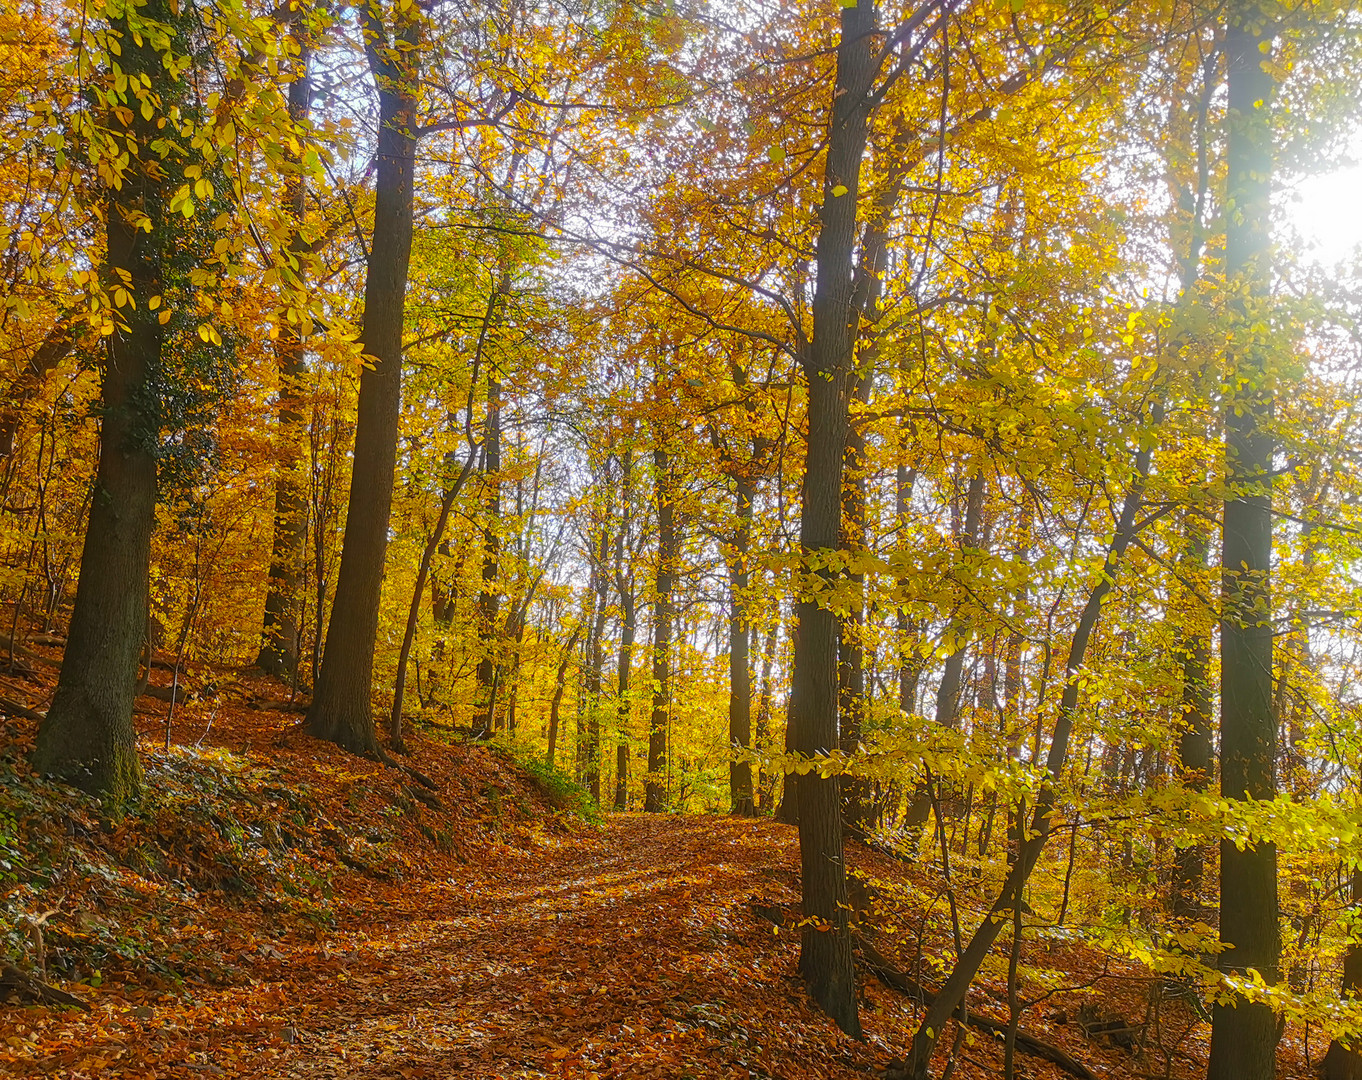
[
  {"x": 561, "y": 791},
  {"x": 81, "y": 892}
]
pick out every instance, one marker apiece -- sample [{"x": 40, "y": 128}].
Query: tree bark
[
  {"x": 624, "y": 582},
  {"x": 1344, "y": 1059},
  {"x": 739, "y": 651},
  {"x": 1244, "y": 1035},
  {"x": 489, "y": 597},
  {"x": 560, "y": 684},
  {"x": 655, "y": 788},
  {"x": 589, "y": 738},
  {"x": 279, "y": 629},
  {"x": 433, "y": 542},
  {"x": 342, "y": 708},
  {"x": 1194, "y": 742},
  {"x": 948, "y": 690},
  {"x": 851, "y": 683},
  {"x": 765, "y": 784},
  {"x": 87, "y": 737},
  {"x": 825, "y": 958}
]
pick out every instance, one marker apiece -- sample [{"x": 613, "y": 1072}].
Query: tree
[
  {"x": 342, "y": 710},
  {"x": 279, "y": 629},
  {"x": 825, "y": 959},
  {"x": 664, "y": 612},
  {"x": 87, "y": 736},
  {"x": 1244, "y": 1033}
]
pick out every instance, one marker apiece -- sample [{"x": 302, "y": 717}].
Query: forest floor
[{"x": 474, "y": 930}]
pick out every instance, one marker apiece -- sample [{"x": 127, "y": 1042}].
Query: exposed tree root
[{"x": 33, "y": 989}]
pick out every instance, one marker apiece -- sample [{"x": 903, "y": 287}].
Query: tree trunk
[
  {"x": 765, "y": 784},
  {"x": 342, "y": 708},
  {"x": 952, "y": 995},
  {"x": 560, "y": 684},
  {"x": 624, "y": 582},
  {"x": 87, "y": 737},
  {"x": 739, "y": 650},
  {"x": 589, "y": 744},
  {"x": 279, "y": 629},
  {"x": 851, "y": 681},
  {"x": 1194, "y": 743},
  {"x": 1344, "y": 1060},
  {"x": 1244, "y": 1035},
  {"x": 948, "y": 690},
  {"x": 655, "y": 788},
  {"x": 628, "y": 627},
  {"x": 489, "y": 598},
  {"x": 825, "y": 958},
  {"x": 436, "y": 538},
  {"x": 55, "y": 347}
]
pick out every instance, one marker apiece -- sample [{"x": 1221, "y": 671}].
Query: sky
[{"x": 1327, "y": 211}]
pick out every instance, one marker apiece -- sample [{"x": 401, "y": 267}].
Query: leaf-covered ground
[{"x": 471, "y": 930}]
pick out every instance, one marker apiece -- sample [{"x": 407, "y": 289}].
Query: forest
[{"x": 653, "y": 538}]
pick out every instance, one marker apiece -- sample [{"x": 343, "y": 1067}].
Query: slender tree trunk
[
  {"x": 910, "y": 660},
  {"x": 436, "y": 538},
  {"x": 590, "y": 746},
  {"x": 624, "y": 582},
  {"x": 948, "y": 690},
  {"x": 952, "y": 994},
  {"x": 87, "y": 737},
  {"x": 851, "y": 640},
  {"x": 1194, "y": 743},
  {"x": 342, "y": 709},
  {"x": 55, "y": 347},
  {"x": 628, "y": 628},
  {"x": 1244, "y": 1035},
  {"x": 739, "y": 651},
  {"x": 668, "y": 545},
  {"x": 279, "y": 630},
  {"x": 765, "y": 783},
  {"x": 560, "y": 684},
  {"x": 489, "y": 598}
]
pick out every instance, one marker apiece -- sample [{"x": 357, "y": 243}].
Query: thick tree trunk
[
  {"x": 279, "y": 629},
  {"x": 1344, "y": 1060},
  {"x": 87, "y": 737},
  {"x": 825, "y": 959},
  {"x": 739, "y": 652},
  {"x": 342, "y": 708},
  {"x": 1244, "y": 1035},
  {"x": 655, "y": 788}
]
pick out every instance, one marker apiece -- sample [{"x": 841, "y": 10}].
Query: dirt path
[{"x": 628, "y": 952}]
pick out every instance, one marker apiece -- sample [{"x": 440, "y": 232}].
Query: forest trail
[
  {"x": 628, "y": 951},
  {"x": 608, "y": 953}
]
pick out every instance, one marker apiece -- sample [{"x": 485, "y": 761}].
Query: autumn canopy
[{"x": 452, "y": 452}]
